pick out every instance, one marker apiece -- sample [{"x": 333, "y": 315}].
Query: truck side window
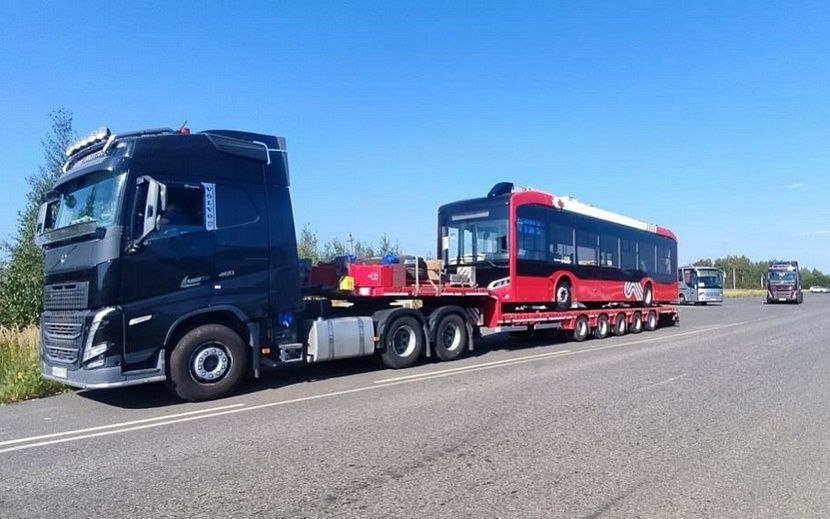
[
  {"x": 185, "y": 208},
  {"x": 234, "y": 207}
]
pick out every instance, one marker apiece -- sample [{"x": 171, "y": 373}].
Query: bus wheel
[
  {"x": 651, "y": 321},
  {"x": 451, "y": 337},
  {"x": 648, "y": 295},
  {"x": 581, "y": 328},
  {"x": 562, "y": 294},
  {"x": 207, "y": 363},
  {"x": 603, "y": 329},
  {"x": 682, "y": 299},
  {"x": 636, "y": 325},
  {"x": 403, "y": 343},
  {"x": 620, "y": 326}
]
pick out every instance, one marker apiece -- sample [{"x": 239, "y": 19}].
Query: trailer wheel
[
  {"x": 403, "y": 343},
  {"x": 581, "y": 328},
  {"x": 603, "y": 328},
  {"x": 563, "y": 297},
  {"x": 620, "y": 325},
  {"x": 636, "y": 325},
  {"x": 451, "y": 337},
  {"x": 648, "y": 295},
  {"x": 208, "y": 362},
  {"x": 651, "y": 321}
]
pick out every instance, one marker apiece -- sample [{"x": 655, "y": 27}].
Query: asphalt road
[{"x": 724, "y": 416}]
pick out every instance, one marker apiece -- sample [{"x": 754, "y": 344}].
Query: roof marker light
[{"x": 99, "y": 135}]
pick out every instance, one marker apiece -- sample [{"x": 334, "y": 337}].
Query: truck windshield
[
  {"x": 710, "y": 279},
  {"x": 91, "y": 198},
  {"x": 781, "y": 276}
]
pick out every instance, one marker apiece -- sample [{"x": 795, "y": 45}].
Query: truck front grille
[
  {"x": 66, "y": 296},
  {"x": 65, "y": 355},
  {"x": 62, "y": 335}
]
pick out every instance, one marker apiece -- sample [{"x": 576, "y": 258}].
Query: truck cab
[
  {"x": 153, "y": 235},
  {"x": 783, "y": 283}
]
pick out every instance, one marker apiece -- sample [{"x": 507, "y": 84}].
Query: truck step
[{"x": 291, "y": 352}]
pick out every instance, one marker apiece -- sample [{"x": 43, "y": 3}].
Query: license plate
[{"x": 58, "y": 372}]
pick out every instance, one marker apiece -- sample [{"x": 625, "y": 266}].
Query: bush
[{"x": 20, "y": 366}]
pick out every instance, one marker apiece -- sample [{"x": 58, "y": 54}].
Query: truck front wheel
[{"x": 207, "y": 363}]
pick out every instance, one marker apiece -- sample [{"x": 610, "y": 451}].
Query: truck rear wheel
[
  {"x": 451, "y": 337},
  {"x": 581, "y": 328},
  {"x": 603, "y": 328},
  {"x": 208, "y": 362},
  {"x": 651, "y": 321},
  {"x": 403, "y": 343},
  {"x": 620, "y": 325},
  {"x": 636, "y": 325}
]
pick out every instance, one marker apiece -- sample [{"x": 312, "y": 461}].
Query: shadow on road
[{"x": 156, "y": 396}]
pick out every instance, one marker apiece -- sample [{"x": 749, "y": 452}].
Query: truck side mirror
[
  {"x": 45, "y": 221},
  {"x": 154, "y": 205}
]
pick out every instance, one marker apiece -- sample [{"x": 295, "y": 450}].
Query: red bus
[{"x": 528, "y": 246}]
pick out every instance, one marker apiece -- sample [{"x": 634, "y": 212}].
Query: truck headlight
[
  {"x": 94, "y": 351},
  {"x": 96, "y": 346}
]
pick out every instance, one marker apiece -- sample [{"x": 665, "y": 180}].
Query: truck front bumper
[{"x": 101, "y": 378}]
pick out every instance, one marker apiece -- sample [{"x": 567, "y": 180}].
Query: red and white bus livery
[{"x": 531, "y": 247}]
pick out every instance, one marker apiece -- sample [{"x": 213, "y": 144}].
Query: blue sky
[{"x": 710, "y": 118}]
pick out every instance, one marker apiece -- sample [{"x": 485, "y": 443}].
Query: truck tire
[
  {"x": 581, "y": 328},
  {"x": 403, "y": 342},
  {"x": 620, "y": 325},
  {"x": 651, "y": 321},
  {"x": 451, "y": 337},
  {"x": 603, "y": 329},
  {"x": 208, "y": 362},
  {"x": 636, "y": 325}
]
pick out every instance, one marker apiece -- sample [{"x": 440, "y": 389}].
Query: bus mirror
[{"x": 502, "y": 188}]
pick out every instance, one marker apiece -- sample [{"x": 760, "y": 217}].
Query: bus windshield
[
  {"x": 710, "y": 279},
  {"x": 475, "y": 236}
]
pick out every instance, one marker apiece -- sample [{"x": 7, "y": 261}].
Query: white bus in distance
[{"x": 699, "y": 285}]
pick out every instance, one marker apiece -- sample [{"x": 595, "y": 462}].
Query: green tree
[
  {"x": 385, "y": 245},
  {"x": 363, "y": 250},
  {"x": 307, "y": 245},
  {"x": 21, "y": 283},
  {"x": 703, "y": 263},
  {"x": 332, "y": 248}
]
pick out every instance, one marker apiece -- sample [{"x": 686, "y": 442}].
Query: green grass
[
  {"x": 730, "y": 293},
  {"x": 20, "y": 367}
]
